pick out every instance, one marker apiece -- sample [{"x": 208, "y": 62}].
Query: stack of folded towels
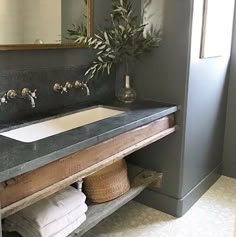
[{"x": 55, "y": 216}]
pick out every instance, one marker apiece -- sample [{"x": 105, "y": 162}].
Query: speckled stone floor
[{"x": 212, "y": 216}]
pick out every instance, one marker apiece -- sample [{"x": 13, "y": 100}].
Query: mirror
[
  {"x": 152, "y": 15},
  {"x": 43, "y": 24}
]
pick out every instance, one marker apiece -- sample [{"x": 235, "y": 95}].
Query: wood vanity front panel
[{"x": 29, "y": 183}]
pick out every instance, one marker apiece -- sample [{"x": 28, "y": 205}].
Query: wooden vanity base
[{"x": 35, "y": 185}]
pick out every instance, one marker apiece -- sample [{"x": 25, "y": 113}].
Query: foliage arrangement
[
  {"x": 123, "y": 43},
  {"x": 76, "y": 31}
]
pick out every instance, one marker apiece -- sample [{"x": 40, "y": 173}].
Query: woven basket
[{"x": 108, "y": 183}]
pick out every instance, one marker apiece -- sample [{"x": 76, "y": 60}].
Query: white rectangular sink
[{"x": 58, "y": 125}]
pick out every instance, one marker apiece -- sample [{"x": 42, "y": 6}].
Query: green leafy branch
[
  {"x": 76, "y": 31},
  {"x": 123, "y": 43}
]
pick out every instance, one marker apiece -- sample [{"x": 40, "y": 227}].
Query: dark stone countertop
[{"x": 18, "y": 157}]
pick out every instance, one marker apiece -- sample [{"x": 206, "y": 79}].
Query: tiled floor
[{"x": 212, "y": 216}]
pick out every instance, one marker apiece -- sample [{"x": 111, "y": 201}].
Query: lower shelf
[
  {"x": 140, "y": 179},
  {"x": 97, "y": 212}
]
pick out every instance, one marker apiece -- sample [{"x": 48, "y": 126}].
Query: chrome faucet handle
[
  {"x": 11, "y": 94},
  {"x": 68, "y": 85},
  {"x": 78, "y": 84},
  {"x": 26, "y": 92},
  {"x": 33, "y": 94},
  {"x": 62, "y": 89},
  {"x": 58, "y": 88},
  {"x": 3, "y": 99},
  {"x": 82, "y": 85}
]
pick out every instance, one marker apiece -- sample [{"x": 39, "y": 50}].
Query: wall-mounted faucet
[
  {"x": 27, "y": 94},
  {"x": 82, "y": 85},
  {"x": 68, "y": 86},
  {"x": 62, "y": 89}
]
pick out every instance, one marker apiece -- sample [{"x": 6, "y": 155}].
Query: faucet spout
[
  {"x": 32, "y": 101},
  {"x": 82, "y": 85},
  {"x": 87, "y": 89}
]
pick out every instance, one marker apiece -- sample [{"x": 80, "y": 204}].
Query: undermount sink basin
[{"x": 61, "y": 124}]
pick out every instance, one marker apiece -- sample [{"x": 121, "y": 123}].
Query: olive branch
[{"x": 123, "y": 43}]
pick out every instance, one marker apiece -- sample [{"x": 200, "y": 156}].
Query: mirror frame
[{"x": 90, "y": 30}]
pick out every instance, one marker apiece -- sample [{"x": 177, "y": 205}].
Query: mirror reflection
[
  {"x": 41, "y": 21},
  {"x": 152, "y": 12}
]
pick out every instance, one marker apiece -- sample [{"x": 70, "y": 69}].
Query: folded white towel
[
  {"x": 27, "y": 228},
  {"x": 54, "y": 207},
  {"x": 62, "y": 233},
  {"x": 70, "y": 228}
]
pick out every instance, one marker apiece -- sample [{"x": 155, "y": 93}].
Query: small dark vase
[{"x": 126, "y": 94}]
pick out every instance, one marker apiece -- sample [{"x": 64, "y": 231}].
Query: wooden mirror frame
[{"x": 90, "y": 30}]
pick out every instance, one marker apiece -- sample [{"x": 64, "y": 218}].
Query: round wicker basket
[{"x": 108, "y": 183}]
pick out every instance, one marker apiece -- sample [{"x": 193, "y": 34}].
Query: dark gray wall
[
  {"x": 229, "y": 162},
  {"x": 174, "y": 73},
  {"x": 206, "y": 103},
  {"x": 163, "y": 76}
]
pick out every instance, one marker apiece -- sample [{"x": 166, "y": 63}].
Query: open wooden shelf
[
  {"x": 98, "y": 212},
  {"x": 140, "y": 179}
]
